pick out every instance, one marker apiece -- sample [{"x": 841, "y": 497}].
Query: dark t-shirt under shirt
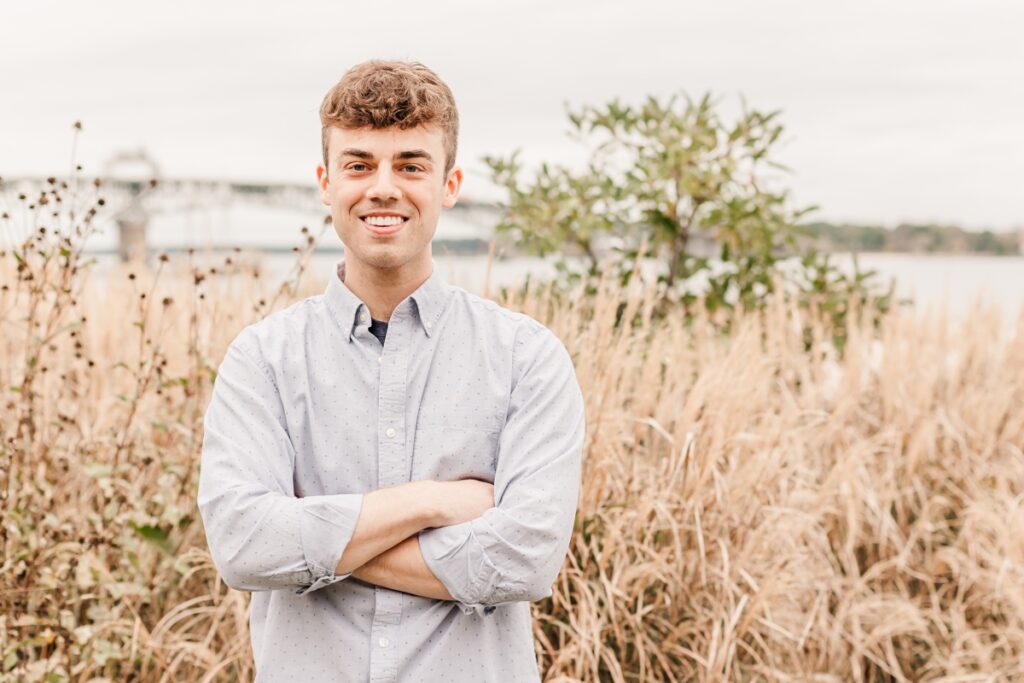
[{"x": 379, "y": 329}]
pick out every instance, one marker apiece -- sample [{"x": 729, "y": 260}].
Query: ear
[
  {"x": 324, "y": 182},
  {"x": 452, "y": 187}
]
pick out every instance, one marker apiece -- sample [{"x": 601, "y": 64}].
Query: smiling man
[{"x": 392, "y": 467}]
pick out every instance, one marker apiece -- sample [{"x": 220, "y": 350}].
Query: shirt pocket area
[{"x": 450, "y": 453}]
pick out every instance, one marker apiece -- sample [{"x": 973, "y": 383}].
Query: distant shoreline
[{"x": 909, "y": 238}]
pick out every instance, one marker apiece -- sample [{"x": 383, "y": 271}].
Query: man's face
[{"x": 386, "y": 188}]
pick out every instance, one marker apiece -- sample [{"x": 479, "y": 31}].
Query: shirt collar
[{"x": 429, "y": 300}]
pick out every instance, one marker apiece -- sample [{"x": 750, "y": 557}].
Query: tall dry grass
[{"x": 751, "y": 510}]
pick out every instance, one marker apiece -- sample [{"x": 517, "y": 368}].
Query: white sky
[{"x": 910, "y": 110}]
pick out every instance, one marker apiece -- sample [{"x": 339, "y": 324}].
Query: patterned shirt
[{"x": 309, "y": 412}]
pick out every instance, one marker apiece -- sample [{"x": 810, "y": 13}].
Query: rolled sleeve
[
  {"x": 261, "y": 536},
  {"x": 326, "y": 526},
  {"x": 459, "y": 561},
  {"x": 514, "y": 551}
]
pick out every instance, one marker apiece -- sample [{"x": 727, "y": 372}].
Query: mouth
[{"x": 383, "y": 223}]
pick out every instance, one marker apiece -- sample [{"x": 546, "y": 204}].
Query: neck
[{"x": 383, "y": 289}]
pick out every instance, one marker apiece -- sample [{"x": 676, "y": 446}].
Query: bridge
[
  {"x": 147, "y": 211},
  {"x": 144, "y": 211}
]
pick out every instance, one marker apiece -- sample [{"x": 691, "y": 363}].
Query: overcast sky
[{"x": 895, "y": 111}]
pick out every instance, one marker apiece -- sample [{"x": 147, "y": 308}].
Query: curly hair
[{"x": 381, "y": 94}]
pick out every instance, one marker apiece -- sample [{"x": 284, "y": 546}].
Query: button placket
[
  {"x": 391, "y": 407},
  {"x": 391, "y": 471}
]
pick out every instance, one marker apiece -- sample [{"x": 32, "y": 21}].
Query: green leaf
[{"x": 153, "y": 534}]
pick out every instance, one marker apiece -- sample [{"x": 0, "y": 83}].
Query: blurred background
[{"x": 902, "y": 120}]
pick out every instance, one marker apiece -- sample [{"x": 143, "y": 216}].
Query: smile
[{"x": 384, "y": 224}]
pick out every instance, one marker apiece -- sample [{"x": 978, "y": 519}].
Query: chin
[{"x": 385, "y": 259}]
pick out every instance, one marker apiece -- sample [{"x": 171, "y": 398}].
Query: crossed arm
[{"x": 384, "y": 549}]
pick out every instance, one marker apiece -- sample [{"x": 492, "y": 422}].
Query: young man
[{"x": 392, "y": 467}]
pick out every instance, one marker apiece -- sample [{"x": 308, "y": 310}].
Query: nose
[{"x": 383, "y": 188}]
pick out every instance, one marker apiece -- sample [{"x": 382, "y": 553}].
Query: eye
[
  {"x": 411, "y": 168},
  {"x": 358, "y": 167}
]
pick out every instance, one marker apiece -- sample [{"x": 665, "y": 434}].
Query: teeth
[{"x": 383, "y": 221}]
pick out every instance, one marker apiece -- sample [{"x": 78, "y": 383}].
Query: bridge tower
[{"x": 139, "y": 172}]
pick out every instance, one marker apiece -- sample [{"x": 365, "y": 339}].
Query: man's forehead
[{"x": 383, "y": 142}]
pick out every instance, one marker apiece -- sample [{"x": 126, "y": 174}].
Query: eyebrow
[
  {"x": 415, "y": 154},
  {"x": 408, "y": 154},
  {"x": 353, "y": 152}
]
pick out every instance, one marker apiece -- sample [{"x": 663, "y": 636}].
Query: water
[{"x": 960, "y": 282}]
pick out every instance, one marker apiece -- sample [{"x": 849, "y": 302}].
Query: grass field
[{"x": 752, "y": 509}]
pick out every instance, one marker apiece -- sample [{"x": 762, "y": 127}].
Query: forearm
[
  {"x": 386, "y": 518},
  {"x": 402, "y": 568}
]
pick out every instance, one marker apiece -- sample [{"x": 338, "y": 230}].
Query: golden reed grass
[{"x": 751, "y": 510}]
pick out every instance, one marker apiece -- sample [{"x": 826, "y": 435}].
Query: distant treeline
[{"x": 914, "y": 238}]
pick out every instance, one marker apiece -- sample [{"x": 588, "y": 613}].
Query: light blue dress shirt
[{"x": 309, "y": 412}]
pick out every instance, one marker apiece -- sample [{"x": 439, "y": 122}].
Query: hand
[{"x": 460, "y": 501}]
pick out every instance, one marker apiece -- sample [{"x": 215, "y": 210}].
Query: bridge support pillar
[{"x": 131, "y": 235}]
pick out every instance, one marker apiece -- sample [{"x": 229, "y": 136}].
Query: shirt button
[
  {"x": 427, "y": 324},
  {"x": 390, "y": 432},
  {"x": 380, "y": 359},
  {"x": 383, "y": 642}
]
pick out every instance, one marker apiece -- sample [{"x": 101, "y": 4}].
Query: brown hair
[{"x": 383, "y": 94}]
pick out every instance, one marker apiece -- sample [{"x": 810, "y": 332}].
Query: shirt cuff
[
  {"x": 459, "y": 562},
  {"x": 326, "y": 525}
]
